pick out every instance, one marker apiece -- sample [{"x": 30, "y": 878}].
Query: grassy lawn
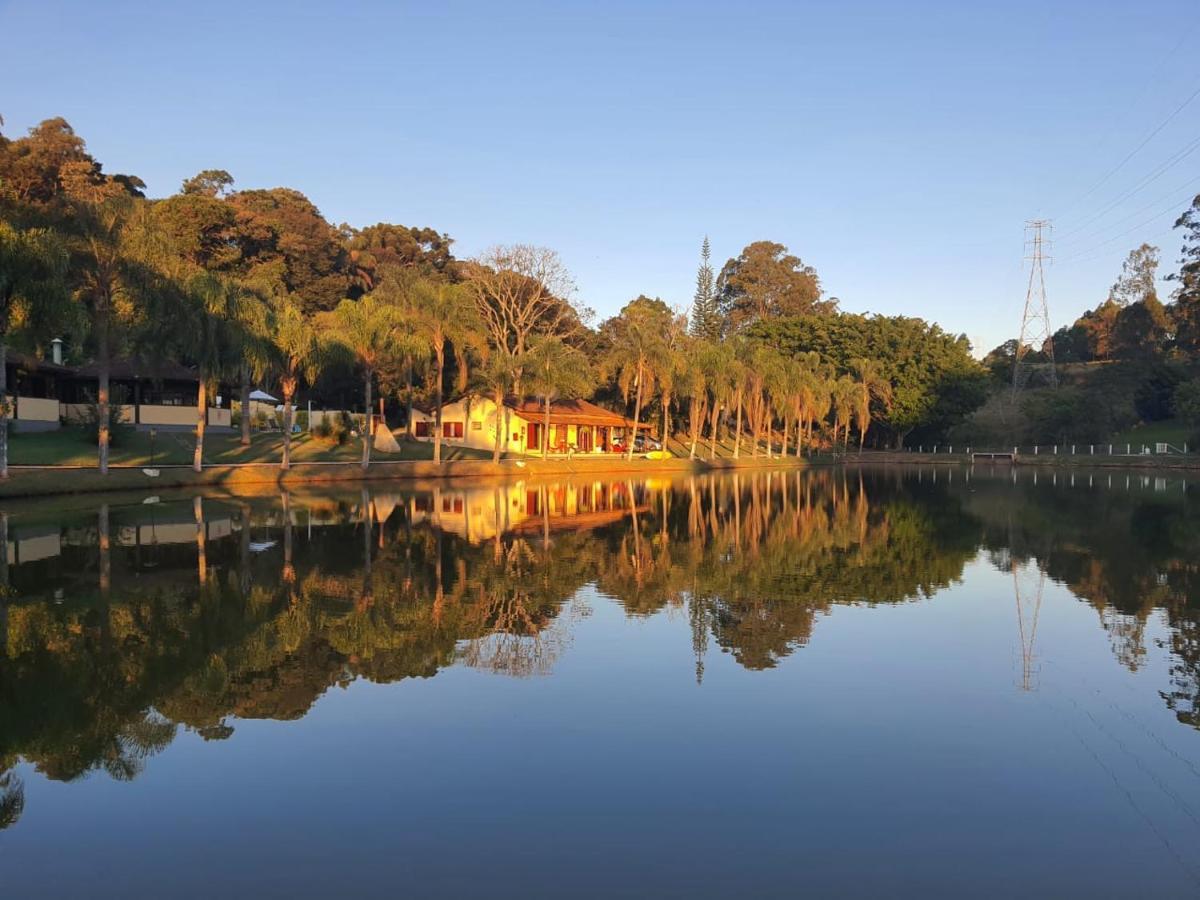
[
  {"x": 1170, "y": 432},
  {"x": 70, "y": 447}
]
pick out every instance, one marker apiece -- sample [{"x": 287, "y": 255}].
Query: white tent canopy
[{"x": 263, "y": 397}]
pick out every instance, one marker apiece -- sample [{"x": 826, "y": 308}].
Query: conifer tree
[{"x": 706, "y": 317}]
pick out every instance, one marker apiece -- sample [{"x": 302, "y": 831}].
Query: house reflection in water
[{"x": 481, "y": 513}]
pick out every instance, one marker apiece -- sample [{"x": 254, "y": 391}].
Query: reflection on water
[{"x": 127, "y": 624}]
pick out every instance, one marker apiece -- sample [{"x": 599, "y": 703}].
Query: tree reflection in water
[{"x": 125, "y": 623}]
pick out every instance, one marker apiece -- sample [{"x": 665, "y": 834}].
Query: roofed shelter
[{"x": 577, "y": 426}]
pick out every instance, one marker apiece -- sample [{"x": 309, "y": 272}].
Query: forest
[
  {"x": 1132, "y": 360},
  {"x": 254, "y": 288}
]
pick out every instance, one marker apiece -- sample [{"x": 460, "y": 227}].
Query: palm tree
[
  {"x": 555, "y": 369},
  {"x": 108, "y": 280},
  {"x": 297, "y": 353},
  {"x": 638, "y": 345},
  {"x": 366, "y": 330},
  {"x": 33, "y": 300},
  {"x": 442, "y": 312},
  {"x": 871, "y": 385},
  {"x": 692, "y": 383},
  {"x": 845, "y": 395},
  {"x": 719, "y": 366},
  {"x": 499, "y": 374},
  {"x": 221, "y": 332}
]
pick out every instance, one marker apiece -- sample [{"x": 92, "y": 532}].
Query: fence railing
[{"x": 1157, "y": 448}]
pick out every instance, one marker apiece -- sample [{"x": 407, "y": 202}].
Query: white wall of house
[{"x": 471, "y": 422}]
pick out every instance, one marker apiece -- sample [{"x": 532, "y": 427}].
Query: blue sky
[{"x": 897, "y": 147}]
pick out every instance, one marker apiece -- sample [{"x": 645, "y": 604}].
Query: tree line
[
  {"x": 255, "y": 286},
  {"x": 1130, "y": 359}
]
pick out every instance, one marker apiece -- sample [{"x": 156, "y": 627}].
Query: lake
[{"x": 882, "y": 682}]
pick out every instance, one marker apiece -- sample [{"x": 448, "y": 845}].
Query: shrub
[
  {"x": 323, "y": 430},
  {"x": 118, "y": 431}
]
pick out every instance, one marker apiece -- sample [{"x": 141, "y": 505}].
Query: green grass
[
  {"x": 71, "y": 447},
  {"x": 1169, "y": 431}
]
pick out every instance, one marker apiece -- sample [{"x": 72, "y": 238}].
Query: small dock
[{"x": 1007, "y": 456}]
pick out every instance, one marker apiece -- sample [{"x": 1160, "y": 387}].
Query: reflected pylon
[{"x": 1029, "y": 606}]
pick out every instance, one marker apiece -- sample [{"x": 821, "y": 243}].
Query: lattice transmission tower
[
  {"x": 1028, "y": 587},
  {"x": 1035, "y": 320}
]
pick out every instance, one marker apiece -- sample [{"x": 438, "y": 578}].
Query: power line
[
  {"x": 1132, "y": 153},
  {"x": 1151, "y": 80},
  {"x": 1141, "y": 209},
  {"x": 1164, "y": 167},
  {"x": 1115, "y": 238}
]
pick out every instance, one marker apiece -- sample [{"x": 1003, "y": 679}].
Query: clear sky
[{"x": 897, "y": 147}]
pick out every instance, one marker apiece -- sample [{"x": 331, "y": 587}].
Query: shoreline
[
  {"x": 36, "y": 481},
  {"x": 33, "y": 481},
  {"x": 1045, "y": 460}
]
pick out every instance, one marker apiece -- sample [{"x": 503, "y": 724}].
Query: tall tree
[
  {"x": 870, "y": 387},
  {"x": 766, "y": 282},
  {"x": 366, "y": 330},
  {"x": 555, "y": 370},
  {"x": 1136, "y": 281},
  {"x": 1187, "y": 294},
  {"x": 444, "y": 314},
  {"x": 706, "y": 315},
  {"x": 297, "y": 353},
  {"x": 110, "y": 274},
  {"x": 284, "y": 237},
  {"x": 33, "y": 301},
  {"x": 639, "y": 343},
  {"x": 520, "y": 291}
]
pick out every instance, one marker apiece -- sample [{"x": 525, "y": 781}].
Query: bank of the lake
[
  {"x": 51, "y": 480},
  {"x": 1045, "y": 460}
]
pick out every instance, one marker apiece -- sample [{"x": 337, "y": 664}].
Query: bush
[
  {"x": 118, "y": 431},
  {"x": 323, "y": 430}
]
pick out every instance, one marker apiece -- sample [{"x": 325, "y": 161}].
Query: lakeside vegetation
[
  {"x": 1127, "y": 371},
  {"x": 254, "y": 287}
]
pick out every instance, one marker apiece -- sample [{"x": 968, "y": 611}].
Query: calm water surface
[{"x": 878, "y": 683}]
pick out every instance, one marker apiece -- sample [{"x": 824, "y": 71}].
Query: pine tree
[{"x": 706, "y": 317}]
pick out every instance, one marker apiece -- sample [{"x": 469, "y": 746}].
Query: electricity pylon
[
  {"x": 1035, "y": 320},
  {"x": 1029, "y": 607}
]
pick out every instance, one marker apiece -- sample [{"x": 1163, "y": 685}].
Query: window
[
  {"x": 422, "y": 429},
  {"x": 452, "y": 429},
  {"x": 477, "y": 425}
]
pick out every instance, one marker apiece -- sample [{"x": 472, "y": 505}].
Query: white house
[{"x": 577, "y": 426}]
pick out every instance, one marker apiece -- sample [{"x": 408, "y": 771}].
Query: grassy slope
[
  {"x": 1170, "y": 432},
  {"x": 69, "y": 447}
]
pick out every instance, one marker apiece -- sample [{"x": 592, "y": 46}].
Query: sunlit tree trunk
[
  {"x": 637, "y": 413},
  {"x": 501, "y": 424},
  {"x": 712, "y": 437},
  {"x": 245, "y": 390},
  {"x": 737, "y": 431},
  {"x": 439, "y": 350},
  {"x": 369, "y": 425},
  {"x": 102, "y": 392},
  {"x": 289, "y": 390},
  {"x": 546, "y": 430},
  {"x": 408, "y": 399},
  {"x": 201, "y": 423}
]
